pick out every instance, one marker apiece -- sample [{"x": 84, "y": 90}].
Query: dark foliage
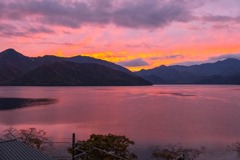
[
  {"x": 235, "y": 147},
  {"x": 176, "y": 152},
  {"x": 32, "y": 137},
  {"x": 105, "y": 147}
]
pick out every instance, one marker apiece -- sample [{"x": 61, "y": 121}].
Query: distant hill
[
  {"x": 78, "y": 59},
  {"x": 13, "y": 64},
  {"x": 221, "y": 72},
  {"x": 77, "y": 74},
  {"x": 17, "y": 69},
  {"x": 85, "y": 59}
]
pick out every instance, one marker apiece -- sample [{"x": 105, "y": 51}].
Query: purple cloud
[
  {"x": 133, "y": 63},
  {"x": 225, "y": 56},
  {"x": 168, "y": 57},
  {"x": 173, "y": 56},
  {"x": 144, "y": 14},
  {"x": 151, "y": 14},
  {"x": 140, "y": 14},
  {"x": 39, "y": 29},
  {"x": 7, "y": 30},
  {"x": 4, "y": 27},
  {"x": 220, "y": 18}
]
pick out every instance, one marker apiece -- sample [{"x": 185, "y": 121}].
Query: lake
[{"x": 193, "y": 115}]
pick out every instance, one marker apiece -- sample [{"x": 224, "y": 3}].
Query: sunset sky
[{"x": 133, "y": 33}]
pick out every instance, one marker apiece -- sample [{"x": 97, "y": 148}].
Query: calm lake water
[{"x": 193, "y": 115}]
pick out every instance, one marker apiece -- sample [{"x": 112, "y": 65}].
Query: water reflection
[
  {"x": 15, "y": 103},
  {"x": 177, "y": 94},
  {"x": 192, "y": 115}
]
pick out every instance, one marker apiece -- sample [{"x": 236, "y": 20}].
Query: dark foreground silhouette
[{"x": 107, "y": 147}]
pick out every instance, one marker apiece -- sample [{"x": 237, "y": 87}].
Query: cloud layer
[
  {"x": 225, "y": 56},
  {"x": 133, "y": 63},
  {"x": 135, "y": 14},
  {"x": 139, "y": 14}
]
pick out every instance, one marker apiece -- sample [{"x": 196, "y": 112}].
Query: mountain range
[
  {"x": 19, "y": 70},
  {"x": 222, "y": 72}
]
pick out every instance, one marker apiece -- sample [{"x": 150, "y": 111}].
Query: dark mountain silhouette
[
  {"x": 17, "y": 69},
  {"x": 48, "y": 59},
  {"x": 226, "y": 67},
  {"x": 85, "y": 59},
  {"x": 77, "y": 74},
  {"x": 13, "y": 64},
  {"x": 218, "y": 79},
  {"x": 221, "y": 72},
  {"x": 166, "y": 75}
]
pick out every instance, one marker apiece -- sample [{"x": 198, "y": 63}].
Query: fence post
[{"x": 73, "y": 146}]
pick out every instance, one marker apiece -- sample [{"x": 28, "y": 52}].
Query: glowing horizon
[{"x": 135, "y": 34}]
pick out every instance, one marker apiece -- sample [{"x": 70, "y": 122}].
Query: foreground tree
[
  {"x": 176, "y": 152},
  {"x": 235, "y": 147},
  {"x": 104, "y": 147},
  {"x": 32, "y": 137}
]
